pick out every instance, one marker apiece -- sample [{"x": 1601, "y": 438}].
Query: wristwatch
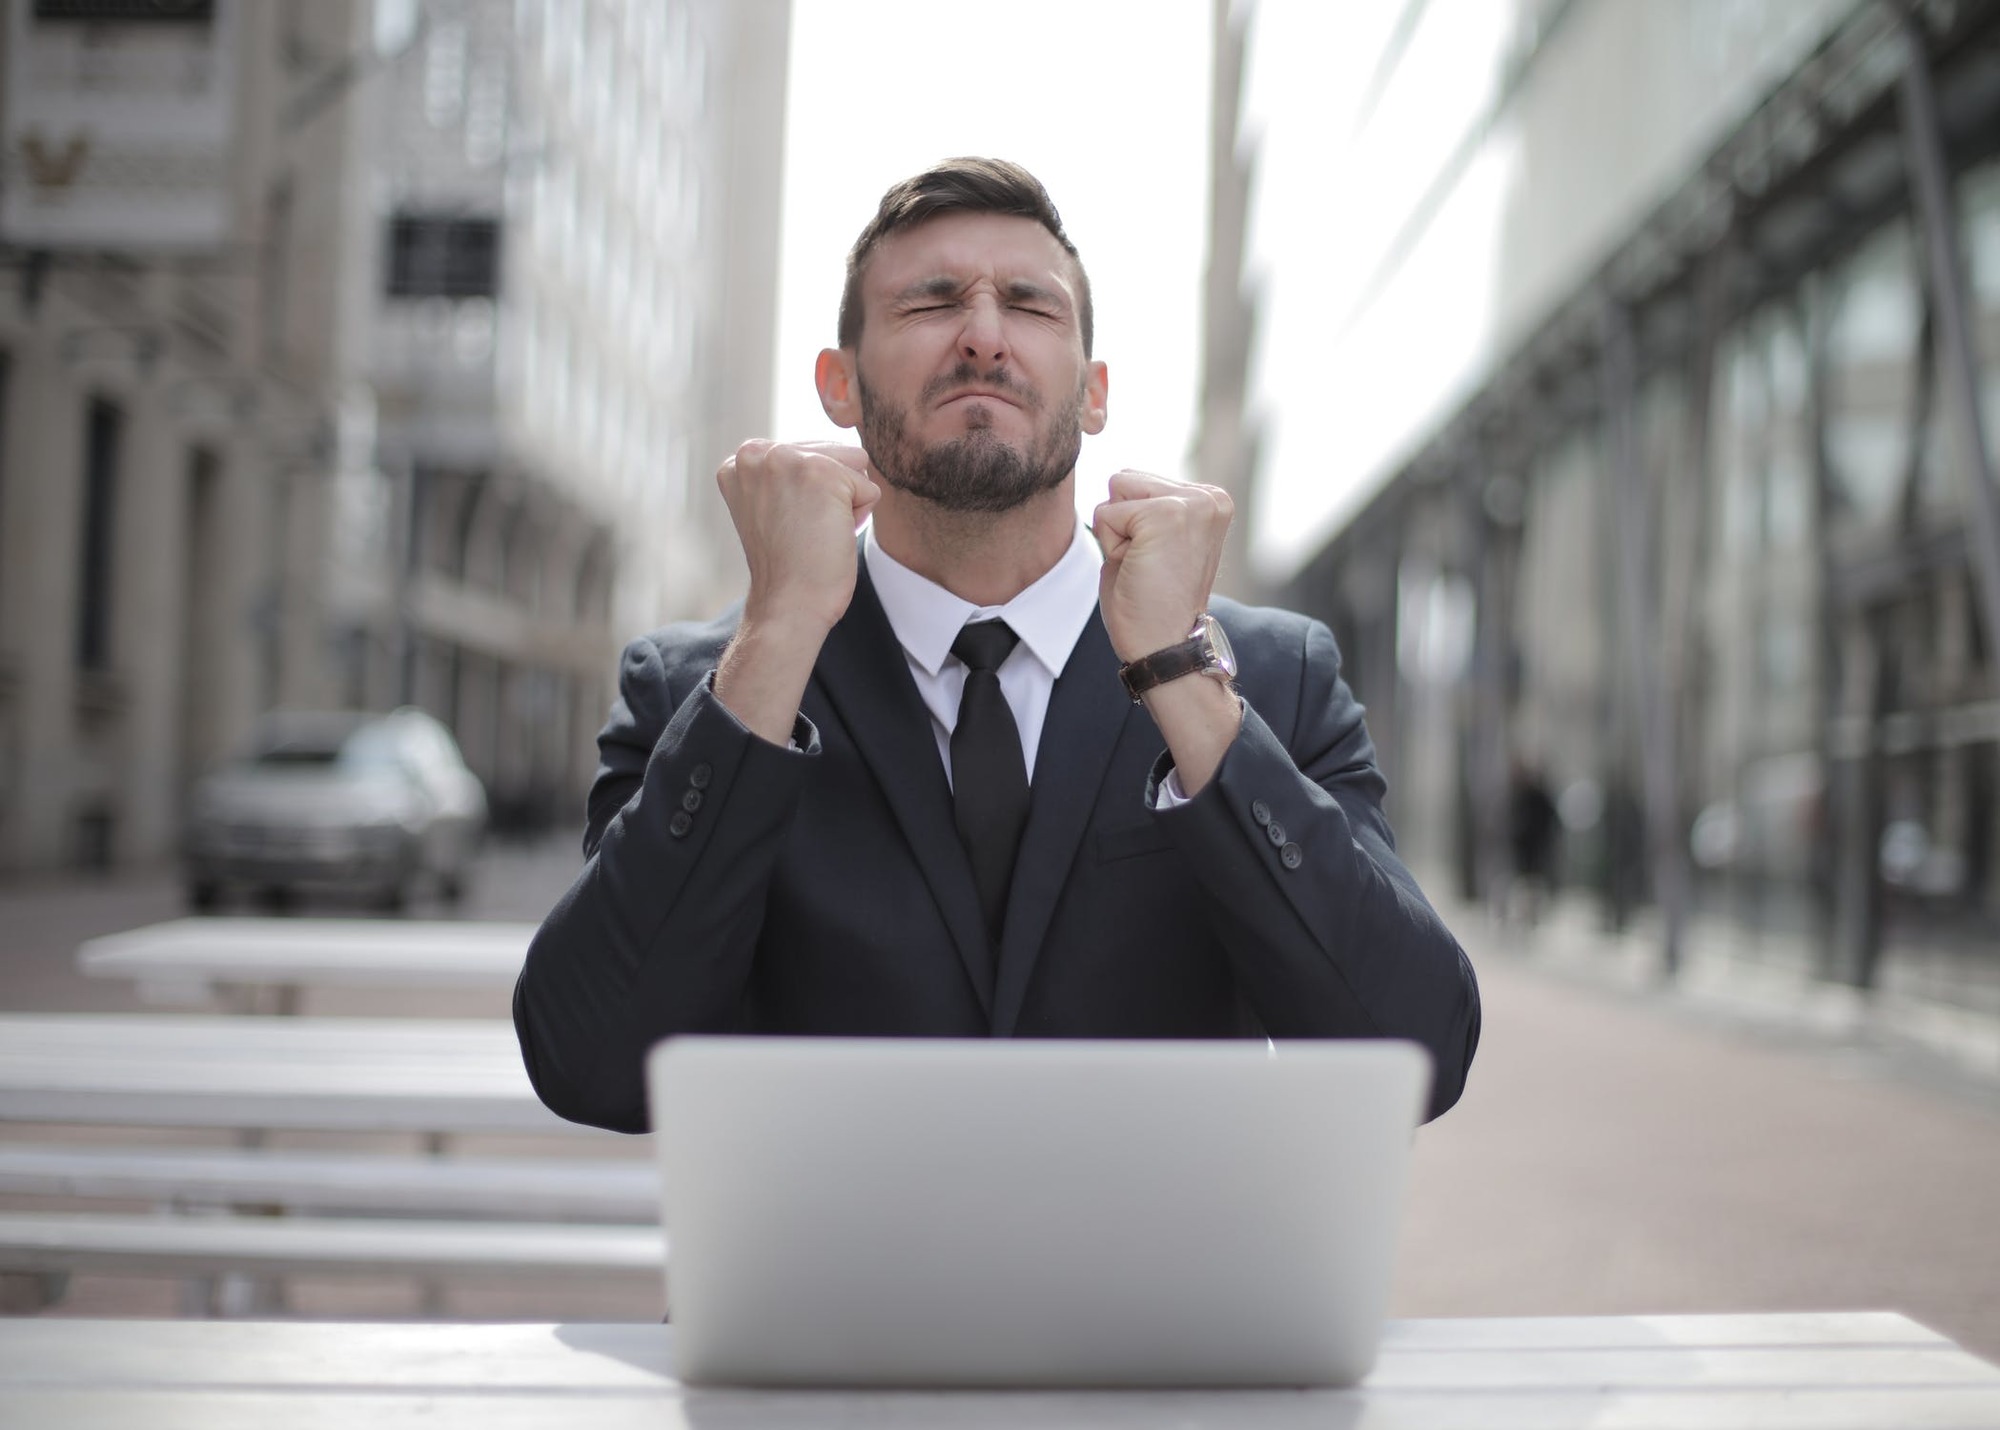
[{"x": 1206, "y": 651}]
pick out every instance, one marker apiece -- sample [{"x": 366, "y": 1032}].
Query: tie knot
[{"x": 984, "y": 644}]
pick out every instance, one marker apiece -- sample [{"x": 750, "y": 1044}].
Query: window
[
  {"x": 273, "y": 259},
  {"x": 103, "y": 428},
  {"x": 439, "y": 257}
]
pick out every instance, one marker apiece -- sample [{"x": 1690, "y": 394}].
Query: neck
[{"x": 987, "y": 558}]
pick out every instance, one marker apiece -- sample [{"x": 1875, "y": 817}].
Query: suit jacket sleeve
[
  {"x": 1327, "y": 930},
  {"x": 686, "y": 820}
]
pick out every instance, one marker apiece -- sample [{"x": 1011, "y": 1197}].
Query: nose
[{"x": 984, "y": 338}]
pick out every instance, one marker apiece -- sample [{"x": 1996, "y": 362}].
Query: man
[{"x": 862, "y": 806}]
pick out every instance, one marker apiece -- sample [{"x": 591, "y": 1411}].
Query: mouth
[{"x": 977, "y": 394}]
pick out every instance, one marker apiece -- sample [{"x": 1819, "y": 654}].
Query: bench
[
  {"x": 445, "y": 1076},
  {"x": 436, "y": 1079},
  {"x": 255, "y": 964},
  {"x": 52, "y": 1245},
  {"x": 538, "y": 1188}
]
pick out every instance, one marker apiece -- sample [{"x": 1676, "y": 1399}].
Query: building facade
[
  {"x": 164, "y": 322},
  {"x": 357, "y": 354},
  {"x": 1668, "y": 364},
  {"x": 568, "y": 242}
]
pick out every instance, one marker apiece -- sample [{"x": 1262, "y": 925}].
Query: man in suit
[{"x": 995, "y": 774}]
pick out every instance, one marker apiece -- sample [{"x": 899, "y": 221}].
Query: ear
[
  {"x": 1096, "y": 397},
  {"x": 839, "y": 386}
]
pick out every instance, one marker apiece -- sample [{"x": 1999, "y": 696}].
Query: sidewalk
[
  {"x": 1761, "y": 980},
  {"x": 1742, "y": 1142}
]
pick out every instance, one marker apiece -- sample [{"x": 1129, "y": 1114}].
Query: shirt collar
[{"x": 1048, "y": 617}]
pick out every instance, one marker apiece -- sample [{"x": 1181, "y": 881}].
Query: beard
[{"x": 978, "y": 471}]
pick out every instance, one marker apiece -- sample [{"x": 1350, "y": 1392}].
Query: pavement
[{"x": 1746, "y": 1140}]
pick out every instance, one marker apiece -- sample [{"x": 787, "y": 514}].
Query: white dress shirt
[{"x": 1048, "y": 617}]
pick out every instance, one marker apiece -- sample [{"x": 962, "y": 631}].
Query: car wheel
[{"x": 203, "y": 894}]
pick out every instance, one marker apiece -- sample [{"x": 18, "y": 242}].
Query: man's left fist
[{"x": 1162, "y": 542}]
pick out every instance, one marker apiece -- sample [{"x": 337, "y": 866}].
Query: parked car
[{"x": 337, "y": 803}]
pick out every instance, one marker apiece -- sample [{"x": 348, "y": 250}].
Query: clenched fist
[
  {"x": 796, "y": 507},
  {"x": 1162, "y": 542}
]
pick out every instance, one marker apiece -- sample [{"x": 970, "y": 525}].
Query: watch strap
[{"x": 1187, "y": 658}]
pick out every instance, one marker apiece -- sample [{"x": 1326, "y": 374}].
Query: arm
[
  {"x": 695, "y": 792},
  {"x": 1328, "y": 932},
  {"x": 1332, "y": 938},
  {"x": 657, "y": 935}
]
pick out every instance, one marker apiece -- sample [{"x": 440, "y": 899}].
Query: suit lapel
[
  {"x": 866, "y": 678},
  {"x": 1088, "y": 710}
]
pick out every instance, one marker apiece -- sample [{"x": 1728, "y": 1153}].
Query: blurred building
[
  {"x": 1623, "y": 389},
  {"x": 570, "y": 230},
  {"x": 363, "y": 353},
  {"x": 167, "y": 307}
]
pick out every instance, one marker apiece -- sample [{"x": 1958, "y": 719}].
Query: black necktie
[{"x": 989, "y": 778}]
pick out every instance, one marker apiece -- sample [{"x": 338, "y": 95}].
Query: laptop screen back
[{"x": 933, "y": 1212}]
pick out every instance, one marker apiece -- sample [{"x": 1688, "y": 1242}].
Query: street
[{"x": 1615, "y": 1152}]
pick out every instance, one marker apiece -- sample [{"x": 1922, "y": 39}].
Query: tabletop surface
[
  {"x": 351, "y": 1074},
  {"x": 1812, "y": 1371},
  {"x": 364, "y": 952}
]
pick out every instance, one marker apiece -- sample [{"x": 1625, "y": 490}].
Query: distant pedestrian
[{"x": 1533, "y": 831}]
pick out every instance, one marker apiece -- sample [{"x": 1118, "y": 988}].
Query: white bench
[
  {"x": 536, "y": 1188},
  {"x": 336, "y": 1074},
  {"x": 196, "y": 1249},
  {"x": 436, "y": 1079},
  {"x": 241, "y": 960}
]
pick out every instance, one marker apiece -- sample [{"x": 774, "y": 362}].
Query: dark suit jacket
[{"x": 734, "y": 885}]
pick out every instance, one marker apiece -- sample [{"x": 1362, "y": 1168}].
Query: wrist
[
  {"x": 1138, "y": 642},
  {"x": 1203, "y": 651},
  {"x": 763, "y": 673},
  {"x": 780, "y": 625}
]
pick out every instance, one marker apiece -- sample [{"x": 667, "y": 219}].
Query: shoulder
[
  {"x": 675, "y": 657},
  {"x": 1270, "y": 634}
]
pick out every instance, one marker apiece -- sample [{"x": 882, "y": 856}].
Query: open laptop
[{"x": 920, "y": 1212}]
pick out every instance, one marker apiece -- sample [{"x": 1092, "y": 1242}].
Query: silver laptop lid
[{"x": 933, "y": 1212}]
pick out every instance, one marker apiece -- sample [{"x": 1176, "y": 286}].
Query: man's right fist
[{"x": 796, "y": 506}]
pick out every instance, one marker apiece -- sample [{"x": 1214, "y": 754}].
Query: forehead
[{"x": 968, "y": 247}]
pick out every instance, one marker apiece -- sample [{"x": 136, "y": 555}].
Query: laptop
[{"x": 919, "y": 1212}]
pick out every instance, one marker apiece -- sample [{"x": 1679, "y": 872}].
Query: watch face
[{"x": 1218, "y": 642}]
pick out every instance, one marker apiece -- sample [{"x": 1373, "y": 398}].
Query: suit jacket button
[
  {"x": 1275, "y": 832},
  {"x": 1261, "y": 812},
  {"x": 691, "y": 801},
  {"x": 701, "y": 774},
  {"x": 681, "y": 823},
  {"x": 1291, "y": 856}
]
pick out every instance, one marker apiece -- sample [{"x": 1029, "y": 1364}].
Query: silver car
[{"x": 366, "y": 806}]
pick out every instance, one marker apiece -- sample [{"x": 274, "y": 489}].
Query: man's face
[{"x": 972, "y": 385}]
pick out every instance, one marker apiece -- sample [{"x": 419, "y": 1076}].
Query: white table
[
  {"x": 1867, "y": 1370},
  {"x": 346, "y": 1074},
  {"x": 191, "y": 960}
]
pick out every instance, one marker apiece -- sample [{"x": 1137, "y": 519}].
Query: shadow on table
[{"x": 648, "y": 1349}]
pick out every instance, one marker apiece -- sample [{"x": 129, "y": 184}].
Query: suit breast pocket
[{"x": 1129, "y": 841}]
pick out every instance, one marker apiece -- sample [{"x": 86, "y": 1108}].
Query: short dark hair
[{"x": 971, "y": 185}]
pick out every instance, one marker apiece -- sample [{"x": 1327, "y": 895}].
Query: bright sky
[
  {"x": 1106, "y": 101},
  {"x": 1352, "y": 360}
]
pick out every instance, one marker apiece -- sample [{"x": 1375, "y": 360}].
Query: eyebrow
[{"x": 1021, "y": 290}]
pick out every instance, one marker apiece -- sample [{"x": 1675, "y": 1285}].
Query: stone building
[{"x": 356, "y": 354}]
